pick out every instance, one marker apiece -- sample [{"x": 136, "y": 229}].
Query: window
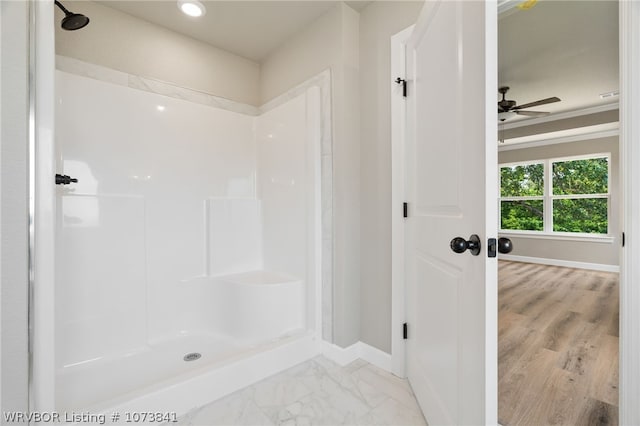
[{"x": 556, "y": 195}]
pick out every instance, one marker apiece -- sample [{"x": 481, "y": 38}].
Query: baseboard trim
[
  {"x": 558, "y": 262},
  {"x": 344, "y": 356},
  {"x": 376, "y": 357},
  {"x": 341, "y": 356}
]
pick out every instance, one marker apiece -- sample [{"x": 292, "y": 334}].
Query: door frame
[
  {"x": 398, "y": 117},
  {"x": 42, "y": 207},
  {"x": 629, "y": 369},
  {"x": 629, "y": 375}
]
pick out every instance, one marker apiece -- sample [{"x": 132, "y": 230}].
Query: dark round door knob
[
  {"x": 460, "y": 245},
  {"x": 504, "y": 245}
]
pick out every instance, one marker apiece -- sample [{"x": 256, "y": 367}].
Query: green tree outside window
[{"x": 578, "y": 198}]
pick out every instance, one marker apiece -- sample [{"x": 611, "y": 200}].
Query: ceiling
[
  {"x": 251, "y": 29},
  {"x": 567, "y": 49}
]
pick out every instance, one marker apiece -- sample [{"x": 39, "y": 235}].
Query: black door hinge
[
  {"x": 405, "y": 333},
  {"x": 623, "y": 239},
  {"x": 404, "y": 85},
  {"x": 405, "y": 210}
]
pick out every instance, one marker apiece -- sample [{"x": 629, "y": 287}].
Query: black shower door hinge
[
  {"x": 405, "y": 333},
  {"x": 404, "y": 85}
]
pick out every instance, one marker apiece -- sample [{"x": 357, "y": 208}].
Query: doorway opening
[
  {"x": 615, "y": 208},
  {"x": 558, "y": 301}
]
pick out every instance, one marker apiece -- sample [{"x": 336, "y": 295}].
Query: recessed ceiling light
[{"x": 192, "y": 8}]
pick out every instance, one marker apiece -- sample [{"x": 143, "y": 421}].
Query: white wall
[
  {"x": 378, "y": 22},
  {"x": 116, "y": 40},
  {"x": 14, "y": 49},
  {"x": 577, "y": 251},
  {"x": 332, "y": 42},
  {"x": 315, "y": 49}
]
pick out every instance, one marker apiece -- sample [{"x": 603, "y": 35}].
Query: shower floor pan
[
  {"x": 260, "y": 309},
  {"x": 99, "y": 384}
]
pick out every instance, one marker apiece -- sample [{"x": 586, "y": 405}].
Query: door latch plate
[{"x": 491, "y": 247}]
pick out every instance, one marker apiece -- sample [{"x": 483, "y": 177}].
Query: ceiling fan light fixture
[
  {"x": 192, "y": 8},
  {"x": 509, "y": 108},
  {"x": 527, "y": 4},
  {"x": 609, "y": 94},
  {"x": 502, "y": 116}
]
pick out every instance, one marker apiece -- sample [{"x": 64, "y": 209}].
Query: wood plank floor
[{"x": 558, "y": 345}]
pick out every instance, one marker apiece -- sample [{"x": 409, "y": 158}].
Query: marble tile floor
[{"x": 317, "y": 392}]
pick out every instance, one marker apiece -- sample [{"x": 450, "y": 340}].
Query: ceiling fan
[{"x": 508, "y": 108}]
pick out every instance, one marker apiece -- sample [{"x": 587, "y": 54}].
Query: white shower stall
[{"x": 188, "y": 253}]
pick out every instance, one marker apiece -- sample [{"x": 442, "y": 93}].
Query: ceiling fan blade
[
  {"x": 536, "y": 103},
  {"x": 532, "y": 113}
]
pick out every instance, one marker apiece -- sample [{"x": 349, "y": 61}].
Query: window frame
[
  {"x": 548, "y": 198},
  {"x": 523, "y": 197}
]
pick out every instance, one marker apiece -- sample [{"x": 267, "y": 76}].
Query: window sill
[{"x": 605, "y": 239}]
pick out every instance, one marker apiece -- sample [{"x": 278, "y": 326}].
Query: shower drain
[{"x": 192, "y": 356}]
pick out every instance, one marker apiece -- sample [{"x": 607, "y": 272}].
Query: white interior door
[{"x": 451, "y": 190}]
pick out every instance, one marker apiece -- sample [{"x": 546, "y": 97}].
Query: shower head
[{"x": 72, "y": 21}]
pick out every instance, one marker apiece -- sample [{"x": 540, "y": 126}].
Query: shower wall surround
[
  {"x": 184, "y": 201},
  {"x": 97, "y": 72},
  {"x": 322, "y": 81},
  {"x": 132, "y": 228}
]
